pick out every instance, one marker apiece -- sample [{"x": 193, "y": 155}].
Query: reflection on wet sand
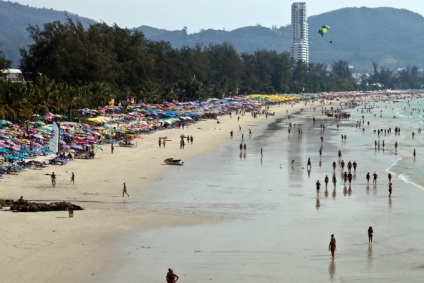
[
  {"x": 326, "y": 192},
  {"x": 317, "y": 205},
  {"x": 334, "y": 193},
  {"x": 332, "y": 269}
]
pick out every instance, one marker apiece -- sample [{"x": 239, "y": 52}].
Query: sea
[{"x": 269, "y": 224}]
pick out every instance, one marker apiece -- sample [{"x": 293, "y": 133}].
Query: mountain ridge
[{"x": 390, "y": 37}]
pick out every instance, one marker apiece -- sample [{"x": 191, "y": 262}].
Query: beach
[
  {"x": 56, "y": 248},
  {"x": 226, "y": 215}
]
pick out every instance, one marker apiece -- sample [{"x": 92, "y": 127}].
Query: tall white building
[{"x": 300, "y": 46}]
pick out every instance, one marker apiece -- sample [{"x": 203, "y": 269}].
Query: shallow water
[{"x": 274, "y": 227}]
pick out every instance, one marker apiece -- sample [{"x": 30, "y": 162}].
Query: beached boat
[{"x": 172, "y": 161}]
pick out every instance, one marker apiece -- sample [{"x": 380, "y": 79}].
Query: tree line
[{"x": 69, "y": 66}]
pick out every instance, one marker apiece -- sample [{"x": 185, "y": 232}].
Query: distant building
[
  {"x": 14, "y": 75},
  {"x": 300, "y": 46}
]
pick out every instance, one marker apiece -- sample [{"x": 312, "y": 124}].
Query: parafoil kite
[{"x": 323, "y": 30}]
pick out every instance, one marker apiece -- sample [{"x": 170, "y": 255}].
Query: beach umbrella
[
  {"x": 4, "y": 150},
  {"x": 99, "y": 147},
  {"x": 74, "y": 146},
  {"x": 36, "y": 144}
]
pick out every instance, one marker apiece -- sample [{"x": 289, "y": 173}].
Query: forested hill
[
  {"x": 15, "y": 19},
  {"x": 392, "y": 38}
]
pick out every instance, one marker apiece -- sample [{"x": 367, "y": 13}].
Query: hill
[
  {"x": 15, "y": 19},
  {"x": 390, "y": 37}
]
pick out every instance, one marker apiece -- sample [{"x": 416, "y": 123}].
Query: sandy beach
[
  {"x": 51, "y": 247},
  {"x": 226, "y": 215}
]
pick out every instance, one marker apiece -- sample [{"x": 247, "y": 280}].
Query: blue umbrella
[{"x": 4, "y": 150}]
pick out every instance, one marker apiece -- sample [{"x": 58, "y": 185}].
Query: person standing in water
[
  {"x": 171, "y": 277},
  {"x": 318, "y": 185},
  {"x": 332, "y": 245},
  {"x": 370, "y": 232}
]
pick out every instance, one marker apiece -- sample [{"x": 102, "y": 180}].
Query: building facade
[{"x": 300, "y": 46}]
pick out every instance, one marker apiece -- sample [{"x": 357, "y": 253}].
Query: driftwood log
[{"x": 26, "y": 206}]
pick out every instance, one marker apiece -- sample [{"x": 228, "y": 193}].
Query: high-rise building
[{"x": 300, "y": 46}]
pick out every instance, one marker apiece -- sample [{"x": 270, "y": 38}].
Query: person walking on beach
[
  {"x": 73, "y": 178},
  {"x": 309, "y": 163},
  {"x": 374, "y": 180},
  {"x": 390, "y": 189},
  {"x": 370, "y": 232},
  {"x": 396, "y": 145},
  {"x": 332, "y": 245},
  {"x": 318, "y": 185},
  {"x": 124, "y": 190},
  {"x": 415, "y": 153},
  {"x": 70, "y": 210},
  {"x": 171, "y": 277},
  {"x": 368, "y": 177},
  {"x": 53, "y": 179},
  {"x": 111, "y": 148},
  {"x": 160, "y": 142},
  {"x": 334, "y": 165},
  {"x": 334, "y": 180},
  {"x": 262, "y": 151},
  {"x": 354, "y": 166},
  {"x": 326, "y": 179}
]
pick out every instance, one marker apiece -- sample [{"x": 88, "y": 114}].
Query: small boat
[{"x": 172, "y": 161}]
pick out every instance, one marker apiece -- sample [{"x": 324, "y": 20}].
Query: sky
[{"x": 200, "y": 14}]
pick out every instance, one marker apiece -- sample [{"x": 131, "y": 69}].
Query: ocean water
[
  {"x": 269, "y": 223},
  {"x": 409, "y": 118}
]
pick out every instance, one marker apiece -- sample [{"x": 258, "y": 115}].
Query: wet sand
[{"x": 270, "y": 226}]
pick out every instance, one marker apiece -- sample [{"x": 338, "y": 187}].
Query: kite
[{"x": 323, "y": 30}]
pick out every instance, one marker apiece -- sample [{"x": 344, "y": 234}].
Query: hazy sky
[{"x": 201, "y": 14}]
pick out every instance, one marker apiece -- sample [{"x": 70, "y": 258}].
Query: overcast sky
[{"x": 201, "y": 14}]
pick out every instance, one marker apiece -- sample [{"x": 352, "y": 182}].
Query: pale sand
[{"x": 50, "y": 247}]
